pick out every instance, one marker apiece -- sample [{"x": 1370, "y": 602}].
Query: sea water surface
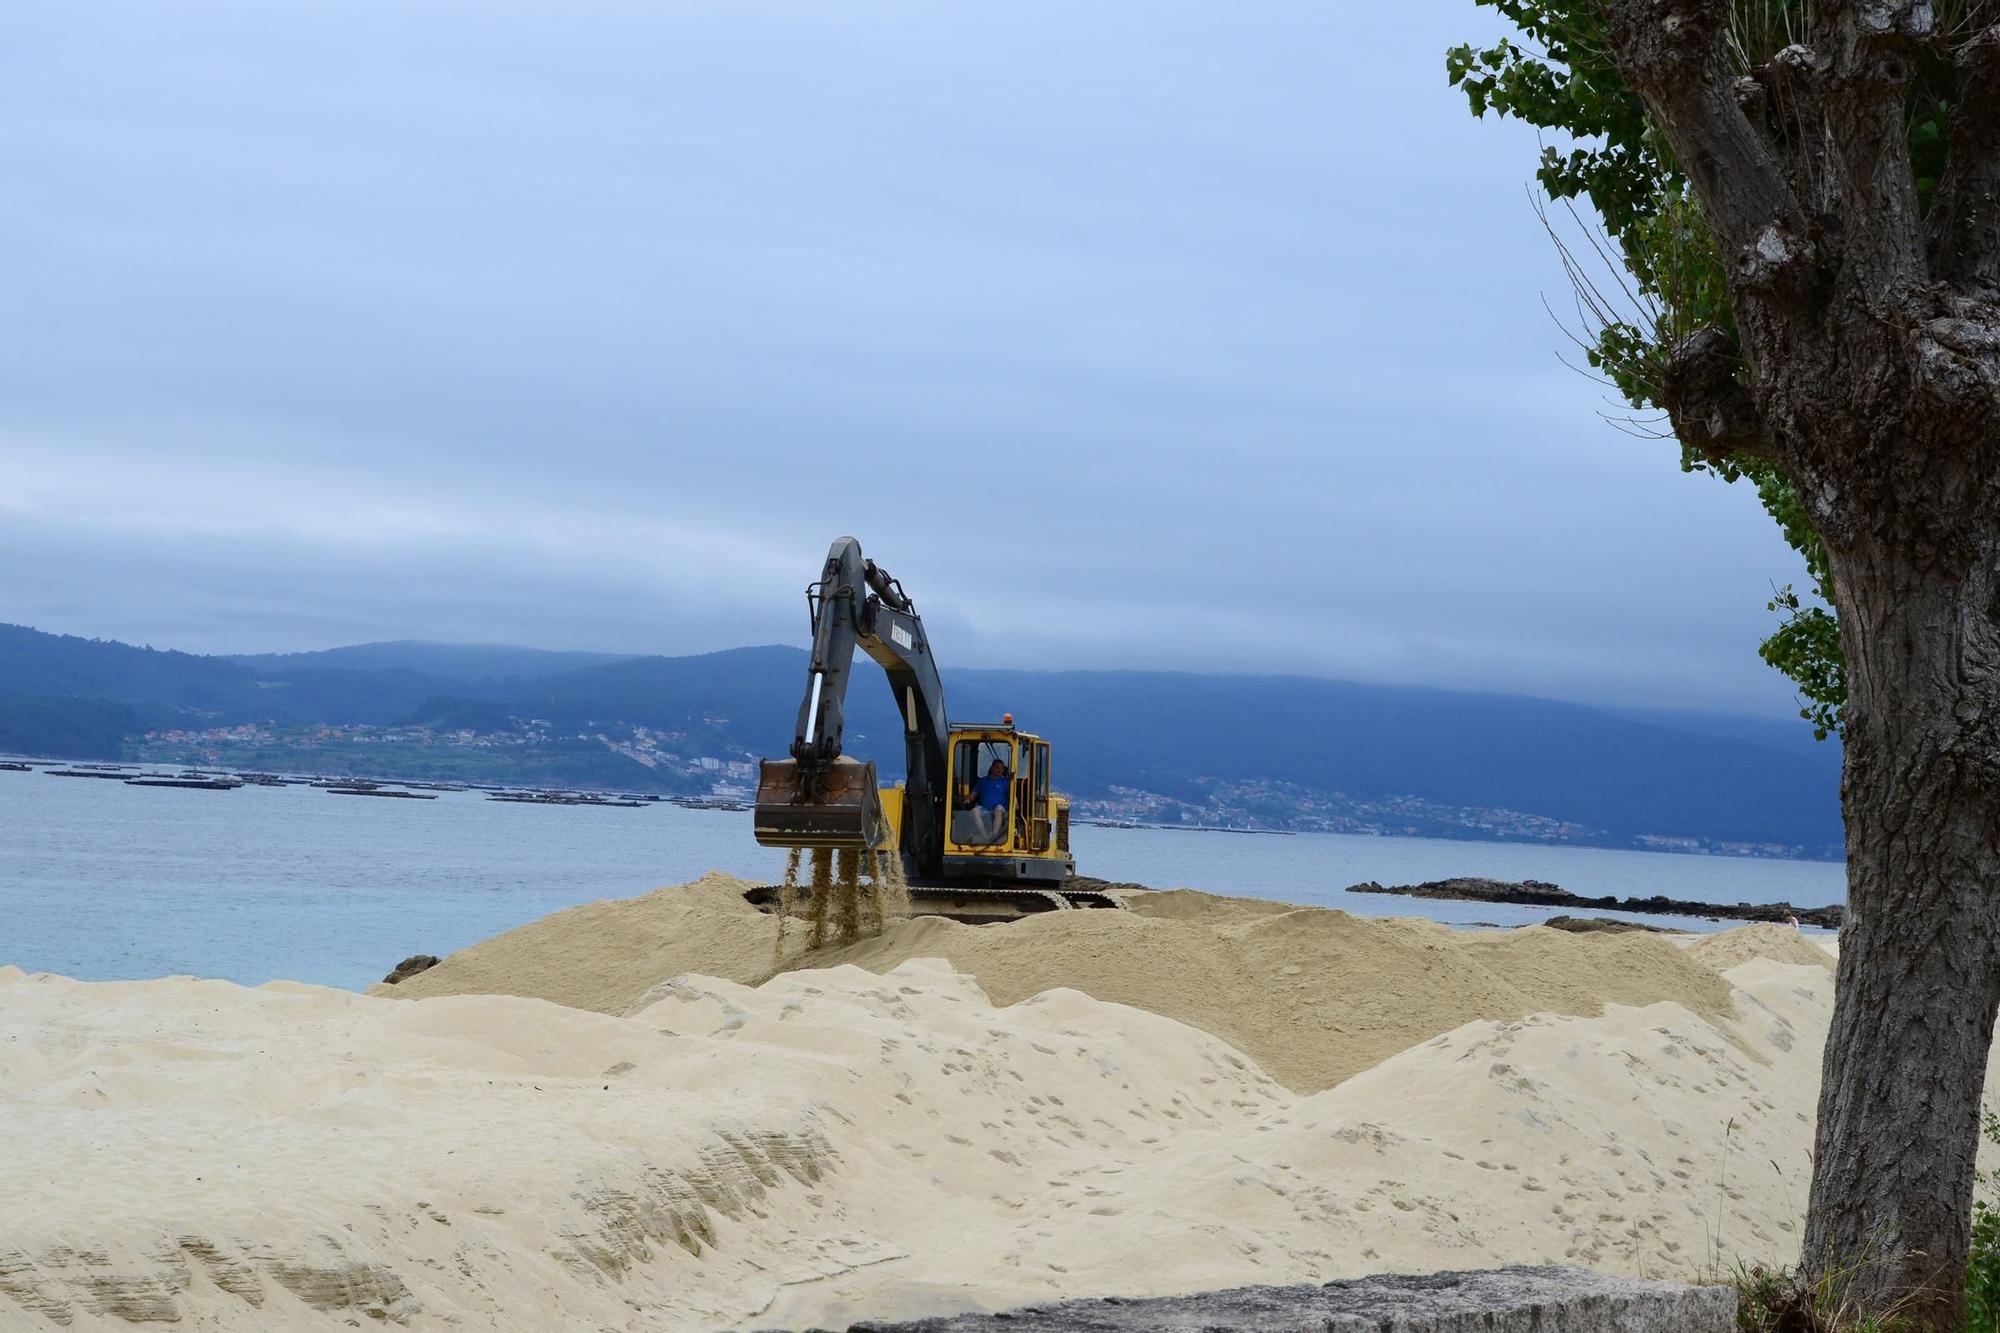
[{"x": 104, "y": 881}]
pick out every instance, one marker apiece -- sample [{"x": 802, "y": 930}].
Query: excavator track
[{"x": 979, "y": 904}]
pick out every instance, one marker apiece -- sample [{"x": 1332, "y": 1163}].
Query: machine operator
[{"x": 989, "y": 800}]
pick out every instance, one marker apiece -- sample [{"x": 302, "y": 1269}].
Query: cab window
[
  {"x": 970, "y": 761},
  {"x": 971, "y": 825}
]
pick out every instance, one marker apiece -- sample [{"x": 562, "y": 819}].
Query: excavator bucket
[{"x": 845, "y": 810}]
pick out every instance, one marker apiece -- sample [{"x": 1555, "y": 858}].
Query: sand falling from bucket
[
  {"x": 788, "y": 895},
  {"x": 891, "y": 891},
  {"x": 822, "y": 895},
  {"x": 846, "y": 905},
  {"x": 850, "y": 894}
]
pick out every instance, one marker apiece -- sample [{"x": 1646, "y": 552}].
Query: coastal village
[
  {"x": 660, "y": 760},
  {"x": 624, "y": 756}
]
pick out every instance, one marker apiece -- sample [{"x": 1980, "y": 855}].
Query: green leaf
[{"x": 1560, "y": 76}]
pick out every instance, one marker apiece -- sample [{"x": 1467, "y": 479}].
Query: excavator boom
[{"x": 818, "y": 797}]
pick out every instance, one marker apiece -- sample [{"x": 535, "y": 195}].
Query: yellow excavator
[{"x": 980, "y": 832}]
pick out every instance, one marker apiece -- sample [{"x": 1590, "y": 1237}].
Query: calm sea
[{"x": 104, "y": 881}]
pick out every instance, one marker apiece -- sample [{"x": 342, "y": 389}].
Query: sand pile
[
  {"x": 1194, "y": 905},
  {"x": 1780, "y": 944},
  {"x": 839, "y": 1143},
  {"x": 1313, "y": 996},
  {"x": 604, "y": 955}
]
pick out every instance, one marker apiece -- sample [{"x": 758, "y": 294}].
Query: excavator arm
[{"x": 819, "y": 797}]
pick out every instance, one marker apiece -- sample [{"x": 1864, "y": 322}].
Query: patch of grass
[
  {"x": 1782, "y": 1301},
  {"x": 1982, "y": 1268},
  {"x": 1982, "y": 1272}
]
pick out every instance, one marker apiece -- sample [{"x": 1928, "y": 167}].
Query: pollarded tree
[{"x": 1807, "y": 197}]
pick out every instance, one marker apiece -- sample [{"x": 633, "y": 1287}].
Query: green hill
[{"x": 66, "y": 728}]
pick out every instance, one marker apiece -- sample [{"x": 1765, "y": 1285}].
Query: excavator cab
[{"x": 1026, "y": 824}]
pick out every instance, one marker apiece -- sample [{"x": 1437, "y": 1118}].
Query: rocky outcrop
[
  {"x": 1535, "y": 893},
  {"x": 409, "y": 967},
  {"x": 1593, "y": 925},
  {"x": 1505, "y": 1300}
]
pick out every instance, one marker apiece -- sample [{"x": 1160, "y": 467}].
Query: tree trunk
[
  {"x": 1919, "y": 976},
  {"x": 1866, "y": 372}
]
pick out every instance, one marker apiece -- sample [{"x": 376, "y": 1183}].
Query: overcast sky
[{"x": 1125, "y": 334}]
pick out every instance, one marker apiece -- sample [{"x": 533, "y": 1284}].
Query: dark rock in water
[
  {"x": 1505, "y": 1300},
  {"x": 1591, "y": 925},
  {"x": 1104, "y": 885},
  {"x": 1535, "y": 893},
  {"x": 409, "y": 967}
]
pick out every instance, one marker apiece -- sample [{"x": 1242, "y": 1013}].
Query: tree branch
[
  {"x": 1675, "y": 55},
  {"x": 1866, "y": 75},
  {"x": 1964, "y": 222},
  {"x": 1759, "y": 107},
  {"x": 1703, "y": 391},
  {"x": 1780, "y": 99}
]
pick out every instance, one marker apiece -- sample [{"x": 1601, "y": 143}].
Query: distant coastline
[
  {"x": 1276, "y": 754},
  {"x": 731, "y": 785}
]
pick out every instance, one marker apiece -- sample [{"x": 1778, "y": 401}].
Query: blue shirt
[{"x": 991, "y": 793}]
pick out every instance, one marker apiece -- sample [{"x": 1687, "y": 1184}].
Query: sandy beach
[{"x": 641, "y": 1114}]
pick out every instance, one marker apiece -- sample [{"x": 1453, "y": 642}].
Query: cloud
[{"x": 1130, "y": 334}]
